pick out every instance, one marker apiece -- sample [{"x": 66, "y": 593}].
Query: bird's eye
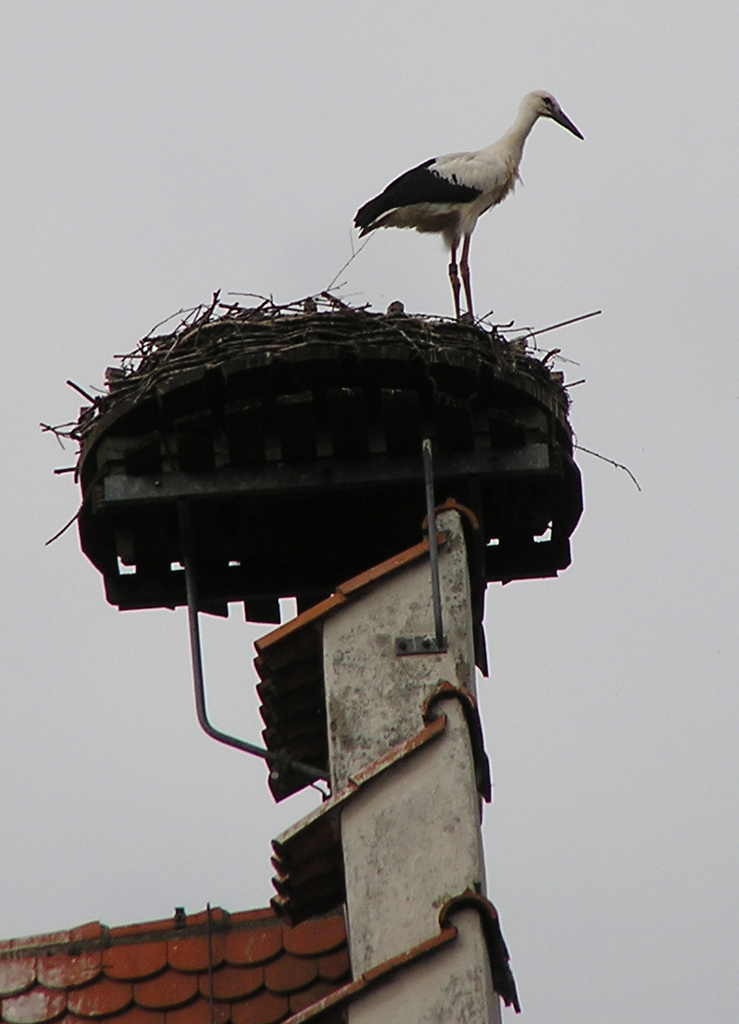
[{"x": 549, "y": 103}]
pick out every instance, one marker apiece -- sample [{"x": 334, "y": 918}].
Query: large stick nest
[{"x": 211, "y": 335}]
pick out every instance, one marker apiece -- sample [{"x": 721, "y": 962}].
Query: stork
[{"x": 447, "y": 194}]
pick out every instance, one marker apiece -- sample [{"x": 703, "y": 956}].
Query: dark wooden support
[
  {"x": 506, "y": 431},
  {"x": 297, "y": 425},
  {"x": 262, "y": 609},
  {"x": 194, "y": 439},
  {"x": 453, "y": 423},
  {"x": 401, "y": 417},
  {"x": 347, "y": 422},
  {"x": 244, "y": 426},
  {"x": 137, "y": 454}
]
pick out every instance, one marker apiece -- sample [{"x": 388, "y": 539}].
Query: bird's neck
[{"x": 514, "y": 139}]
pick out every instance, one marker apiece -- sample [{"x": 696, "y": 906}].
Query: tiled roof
[{"x": 246, "y": 968}]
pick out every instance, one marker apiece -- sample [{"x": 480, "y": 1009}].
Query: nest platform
[{"x": 294, "y": 435}]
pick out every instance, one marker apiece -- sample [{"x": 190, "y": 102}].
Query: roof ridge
[
  {"x": 94, "y": 935},
  {"x": 251, "y": 966}
]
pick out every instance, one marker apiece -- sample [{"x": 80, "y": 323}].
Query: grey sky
[{"x": 153, "y": 152}]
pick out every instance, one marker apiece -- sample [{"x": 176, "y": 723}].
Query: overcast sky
[{"x": 155, "y": 151}]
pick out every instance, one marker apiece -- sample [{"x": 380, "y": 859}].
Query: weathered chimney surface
[
  {"x": 407, "y": 769},
  {"x": 374, "y": 698}
]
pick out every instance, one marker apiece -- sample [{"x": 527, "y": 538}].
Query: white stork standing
[{"x": 447, "y": 194}]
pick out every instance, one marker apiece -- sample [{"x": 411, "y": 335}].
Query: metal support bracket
[
  {"x": 275, "y": 760},
  {"x": 418, "y": 645},
  {"x": 426, "y": 644}
]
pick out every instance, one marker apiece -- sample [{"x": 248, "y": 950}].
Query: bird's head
[{"x": 543, "y": 104}]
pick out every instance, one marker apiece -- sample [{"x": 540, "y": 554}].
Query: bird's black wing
[{"x": 419, "y": 185}]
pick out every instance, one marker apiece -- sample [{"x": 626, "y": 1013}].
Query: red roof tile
[
  {"x": 133, "y": 1015},
  {"x": 289, "y": 973},
  {"x": 334, "y": 967},
  {"x": 215, "y": 914},
  {"x": 34, "y": 1007},
  {"x": 84, "y": 932},
  {"x": 60, "y": 970},
  {"x": 13, "y": 945},
  {"x": 158, "y": 972},
  {"x": 17, "y": 975},
  {"x": 254, "y": 946},
  {"x": 101, "y": 999},
  {"x": 317, "y": 936},
  {"x": 195, "y": 954},
  {"x": 265, "y": 1009},
  {"x": 233, "y": 982},
  {"x": 263, "y": 914},
  {"x": 146, "y": 928},
  {"x": 299, "y": 1000},
  {"x": 166, "y": 990},
  {"x": 135, "y": 961},
  {"x": 198, "y": 1012}
]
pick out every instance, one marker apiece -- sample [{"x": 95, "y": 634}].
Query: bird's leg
[
  {"x": 464, "y": 266},
  {"x": 454, "y": 278}
]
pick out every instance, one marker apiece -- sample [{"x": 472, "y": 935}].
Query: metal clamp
[{"x": 427, "y": 644}]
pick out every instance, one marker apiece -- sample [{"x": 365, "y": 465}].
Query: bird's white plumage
[
  {"x": 485, "y": 170},
  {"x": 449, "y": 193}
]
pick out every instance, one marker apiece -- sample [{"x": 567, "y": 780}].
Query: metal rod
[
  {"x": 210, "y": 967},
  {"x": 428, "y": 474},
  {"x": 273, "y": 759}
]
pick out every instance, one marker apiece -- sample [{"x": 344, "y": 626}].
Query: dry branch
[{"x": 212, "y": 334}]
